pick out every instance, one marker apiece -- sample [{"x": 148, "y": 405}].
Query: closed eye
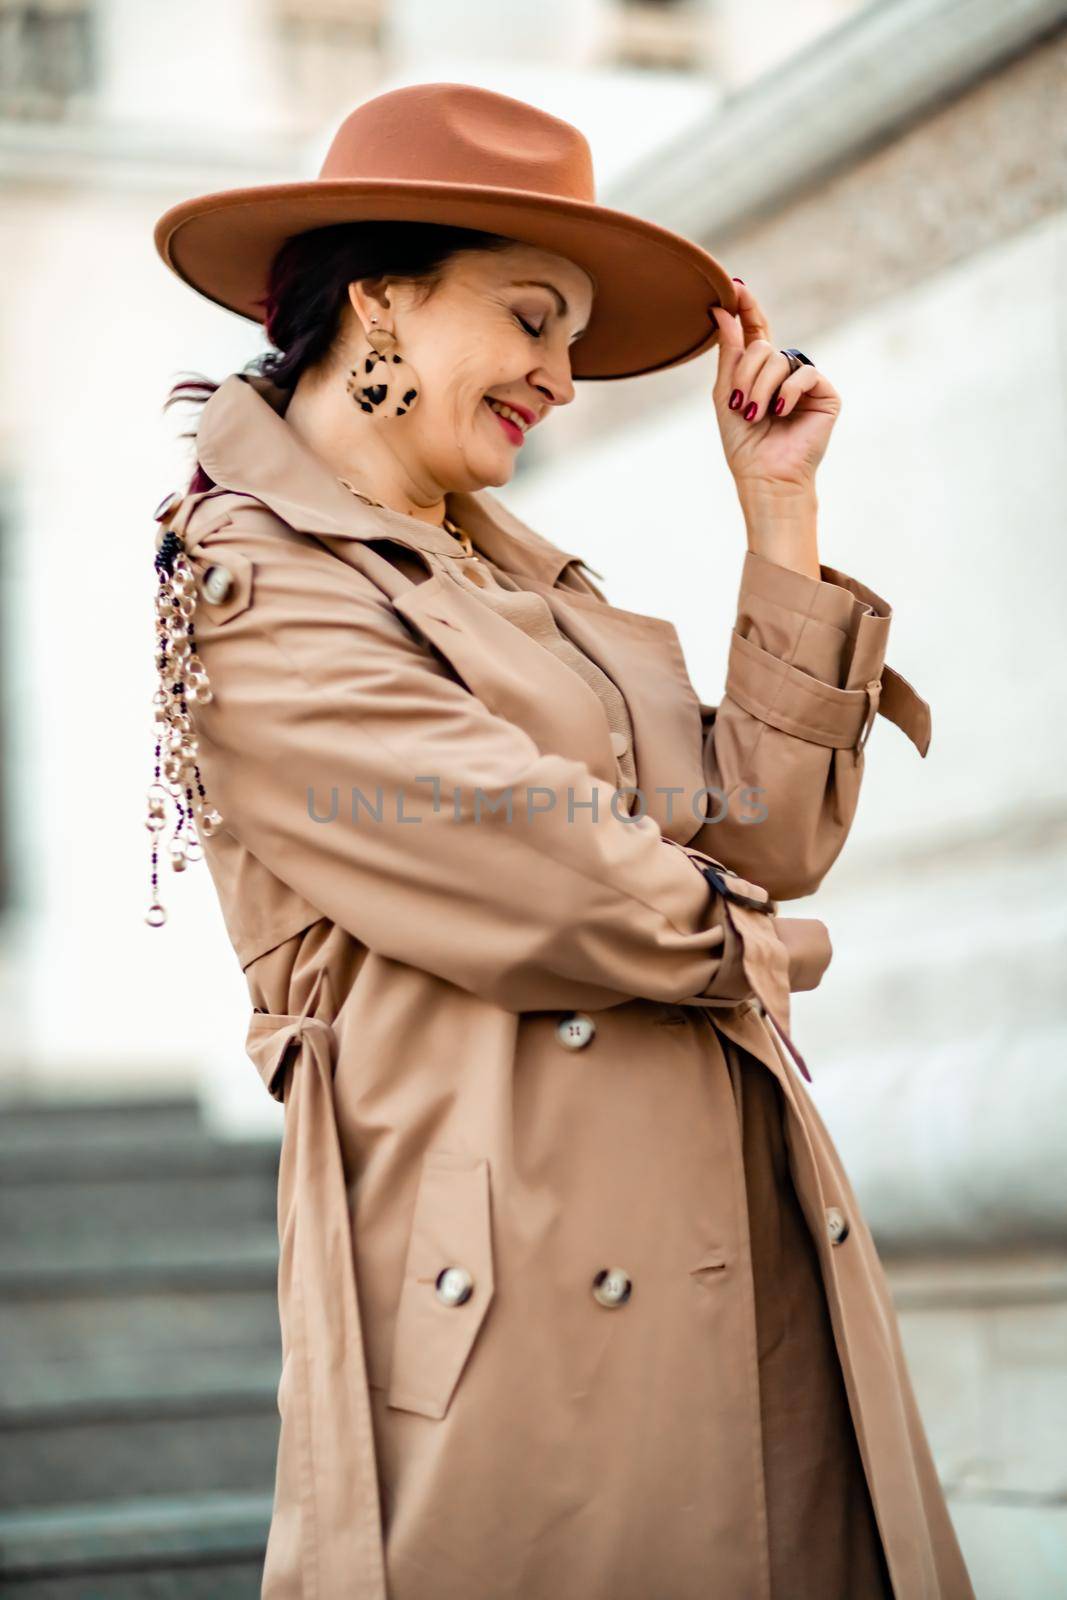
[{"x": 535, "y": 333}]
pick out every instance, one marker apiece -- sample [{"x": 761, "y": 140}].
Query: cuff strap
[{"x": 797, "y": 703}]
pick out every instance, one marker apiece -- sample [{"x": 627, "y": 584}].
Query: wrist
[{"x": 782, "y": 524}]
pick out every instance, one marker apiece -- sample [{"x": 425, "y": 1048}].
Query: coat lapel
[
  {"x": 244, "y": 444},
  {"x": 644, "y": 657},
  {"x": 511, "y": 673}
]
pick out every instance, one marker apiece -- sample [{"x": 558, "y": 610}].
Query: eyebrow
[{"x": 539, "y": 283}]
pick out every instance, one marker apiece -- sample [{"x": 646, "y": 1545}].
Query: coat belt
[{"x": 327, "y": 1438}]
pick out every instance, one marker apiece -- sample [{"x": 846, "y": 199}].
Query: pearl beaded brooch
[{"x": 182, "y": 679}]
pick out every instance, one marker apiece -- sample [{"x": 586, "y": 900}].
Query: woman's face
[{"x": 499, "y": 323}]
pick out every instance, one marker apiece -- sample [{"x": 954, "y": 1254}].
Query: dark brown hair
[{"x": 308, "y": 286}]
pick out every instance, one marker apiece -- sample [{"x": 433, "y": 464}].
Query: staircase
[{"x": 140, "y": 1354}]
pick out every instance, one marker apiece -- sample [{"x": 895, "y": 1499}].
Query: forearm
[{"x": 782, "y": 524}]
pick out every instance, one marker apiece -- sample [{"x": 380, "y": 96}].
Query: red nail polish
[
  {"x": 779, "y": 406},
  {"x": 739, "y": 280},
  {"x": 736, "y": 399},
  {"x": 750, "y": 410}
]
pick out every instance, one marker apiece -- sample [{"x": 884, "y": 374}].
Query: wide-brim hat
[{"x": 456, "y": 154}]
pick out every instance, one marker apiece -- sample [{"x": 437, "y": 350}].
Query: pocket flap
[{"x": 451, "y": 1227}]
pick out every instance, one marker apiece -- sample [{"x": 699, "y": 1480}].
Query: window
[{"x": 47, "y": 57}]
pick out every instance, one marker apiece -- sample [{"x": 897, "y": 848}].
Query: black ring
[{"x": 799, "y": 356}]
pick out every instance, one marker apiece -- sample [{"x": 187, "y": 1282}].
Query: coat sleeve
[
  {"x": 346, "y": 759},
  {"x": 784, "y": 748}
]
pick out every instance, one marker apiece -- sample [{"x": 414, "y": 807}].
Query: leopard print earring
[{"x": 386, "y": 384}]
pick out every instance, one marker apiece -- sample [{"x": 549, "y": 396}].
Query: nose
[{"x": 553, "y": 379}]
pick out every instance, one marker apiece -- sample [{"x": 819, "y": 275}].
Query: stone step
[
  {"x": 88, "y": 1352},
  {"x": 177, "y": 1445},
  {"x": 113, "y": 1152},
  {"x": 70, "y": 1121},
  {"x": 189, "y": 1547},
  {"x": 142, "y": 1353},
  {"x": 135, "y": 1386},
  {"x": 107, "y": 1264},
  {"x": 67, "y": 1211},
  {"x": 161, "y": 1329},
  {"x": 133, "y": 1382}
]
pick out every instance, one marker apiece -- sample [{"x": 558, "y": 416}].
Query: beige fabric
[
  {"x": 822, "y": 1534},
  {"x": 530, "y": 612},
  {"x": 416, "y": 984}
]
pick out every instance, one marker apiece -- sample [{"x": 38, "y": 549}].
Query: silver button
[
  {"x": 612, "y": 1286},
  {"x": 454, "y": 1286},
  {"x": 836, "y": 1224},
  {"x": 575, "y": 1032},
  {"x": 216, "y": 585}
]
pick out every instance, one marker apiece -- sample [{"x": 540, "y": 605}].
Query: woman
[{"x": 576, "y": 1298}]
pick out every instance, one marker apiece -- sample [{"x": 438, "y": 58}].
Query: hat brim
[{"x": 653, "y": 288}]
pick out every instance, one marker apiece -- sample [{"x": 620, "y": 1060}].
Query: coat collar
[{"x": 244, "y": 444}]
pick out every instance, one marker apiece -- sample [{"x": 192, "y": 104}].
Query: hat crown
[{"x": 459, "y": 133}]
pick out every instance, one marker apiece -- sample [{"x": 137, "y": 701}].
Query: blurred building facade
[{"x": 890, "y": 179}]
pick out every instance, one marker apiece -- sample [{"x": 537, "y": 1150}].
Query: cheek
[
  {"x": 467, "y": 384},
  {"x": 455, "y": 376},
  {"x": 447, "y": 380}
]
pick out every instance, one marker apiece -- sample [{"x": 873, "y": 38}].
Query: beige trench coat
[{"x": 516, "y": 1280}]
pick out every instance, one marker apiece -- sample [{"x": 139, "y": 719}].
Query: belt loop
[{"x": 873, "y": 691}]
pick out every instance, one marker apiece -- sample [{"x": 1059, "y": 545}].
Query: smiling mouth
[{"x": 513, "y": 425}]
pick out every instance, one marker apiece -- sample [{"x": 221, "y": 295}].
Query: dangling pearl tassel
[{"x": 182, "y": 679}]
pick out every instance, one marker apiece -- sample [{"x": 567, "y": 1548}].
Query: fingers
[
  {"x": 757, "y": 375},
  {"x": 754, "y": 323},
  {"x": 810, "y": 381},
  {"x": 753, "y": 376},
  {"x": 739, "y": 333},
  {"x": 731, "y": 333},
  {"x": 730, "y": 349}
]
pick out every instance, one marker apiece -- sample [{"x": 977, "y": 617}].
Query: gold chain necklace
[{"x": 448, "y": 526}]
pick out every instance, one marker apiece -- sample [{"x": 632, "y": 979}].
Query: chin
[{"x": 487, "y": 474}]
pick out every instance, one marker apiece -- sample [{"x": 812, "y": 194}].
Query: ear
[{"x": 369, "y": 297}]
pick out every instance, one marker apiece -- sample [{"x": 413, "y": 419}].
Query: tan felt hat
[{"x": 457, "y": 154}]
